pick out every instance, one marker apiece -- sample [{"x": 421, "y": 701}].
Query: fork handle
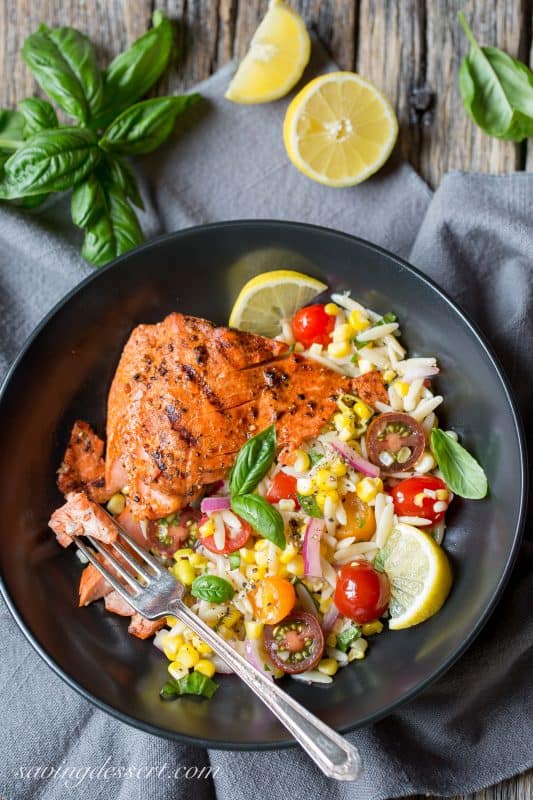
[{"x": 335, "y": 756}]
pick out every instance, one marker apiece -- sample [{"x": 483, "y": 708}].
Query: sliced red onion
[
  {"x": 353, "y": 458},
  {"x": 330, "y": 618},
  {"x": 419, "y": 373},
  {"x": 211, "y": 504},
  {"x": 251, "y": 651},
  {"x": 308, "y": 604},
  {"x": 311, "y": 548}
]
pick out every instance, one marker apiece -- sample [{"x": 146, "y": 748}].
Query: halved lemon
[
  {"x": 419, "y": 573},
  {"x": 271, "y": 297},
  {"x": 339, "y": 129},
  {"x": 278, "y": 54}
]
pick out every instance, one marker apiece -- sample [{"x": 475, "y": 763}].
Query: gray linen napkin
[{"x": 473, "y": 236}]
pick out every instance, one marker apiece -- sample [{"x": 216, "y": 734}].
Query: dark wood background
[{"x": 411, "y": 49}]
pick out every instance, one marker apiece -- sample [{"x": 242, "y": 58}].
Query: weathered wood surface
[{"x": 410, "y": 48}]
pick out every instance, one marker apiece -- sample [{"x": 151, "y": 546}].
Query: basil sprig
[
  {"x": 212, "y": 589},
  {"x": 253, "y": 461},
  {"x": 38, "y": 156},
  {"x": 193, "y": 683},
  {"x": 263, "y": 517},
  {"x": 461, "y": 472},
  {"x": 497, "y": 90}
]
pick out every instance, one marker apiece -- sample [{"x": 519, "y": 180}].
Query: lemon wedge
[
  {"x": 268, "y": 299},
  {"x": 278, "y": 54},
  {"x": 339, "y": 129},
  {"x": 419, "y": 573}
]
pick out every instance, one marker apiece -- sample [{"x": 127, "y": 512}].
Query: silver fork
[{"x": 154, "y": 592}]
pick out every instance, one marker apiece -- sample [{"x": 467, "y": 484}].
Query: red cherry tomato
[
  {"x": 283, "y": 487},
  {"x": 234, "y": 539},
  {"x": 362, "y": 593},
  {"x": 415, "y": 497},
  {"x": 296, "y": 643},
  {"x": 167, "y": 537},
  {"x": 311, "y": 325}
]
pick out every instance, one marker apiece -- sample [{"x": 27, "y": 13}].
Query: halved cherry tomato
[
  {"x": 167, "y": 537},
  {"x": 296, "y": 643},
  {"x": 395, "y": 442},
  {"x": 410, "y": 498},
  {"x": 311, "y": 325},
  {"x": 362, "y": 593},
  {"x": 360, "y": 519},
  {"x": 272, "y": 599},
  {"x": 283, "y": 487},
  {"x": 234, "y": 539}
]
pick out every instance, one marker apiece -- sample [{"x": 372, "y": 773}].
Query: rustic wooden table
[{"x": 411, "y": 49}]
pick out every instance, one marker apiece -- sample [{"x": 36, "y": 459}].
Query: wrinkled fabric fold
[{"x": 474, "y": 238}]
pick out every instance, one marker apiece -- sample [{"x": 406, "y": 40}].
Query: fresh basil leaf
[
  {"x": 497, "y": 90},
  {"x": 32, "y": 201},
  {"x": 314, "y": 457},
  {"x": 212, "y": 589},
  {"x": 309, "y": 505},
  {"x": 122, "y": 174},
  {"x": 461, "y": 472},
  {"x": 114, "y": 231},
  {"x": 348, "y": 637},
  {"x": 87, "y": 202},
  {"x": 145, "y": 125},
  {"x": 11, "y": 131},
  {"x": 50, "y": 161},
  {"x": 234, "y": 560},
  {"x": 38, "y": 115},
  {"x": 264, "y": 518},
  {"x": 193, "y": 683},
  {"x": 253, "y": 461},
  {"x": 132, "y": 73},
  {"x": 64, "y": 64}
]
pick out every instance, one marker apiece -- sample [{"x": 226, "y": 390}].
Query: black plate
[{"x": 64, "y": 372}]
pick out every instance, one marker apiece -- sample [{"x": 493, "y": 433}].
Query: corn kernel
[
  {"x": 333, "y": 495},
  {"x": 288, "y": 554},
  {"x": 368, "y": 488},
  {"x": 247, "y": 555},
  {"x": 401, "y": 388},
  {"x": 185, "y": 552},
  {"x": 196, "y": 560},
  {"x": 296, "y": 566},
  {"x": 187, "y": 655},
  {"x": 389, "y": 375},
  {"x": 171, "y": 621},
  {"x": 324, "y": 479},
  {"x": 365, "y": 365},
  {"x": 208, "y": 528},
  {"x": 225, "y": 632},
  {"x": 255, "y": 573},
  {"x": 286, "y": 504},
  {"x": 338, "y": 468},
  {"x": 232, "y": 617},
  {"x": 362, "y": 410},
  {"x": 442, "y": 494},
  {"x": 261, "y": 544},
  {"x": 202, "y": 647},
  {"x": 184, "y": 572},
  {"x": 332, "y": 309},
  {"x": 171, "y": 645},
  {"x": 339, "y": 349},
  {"x": 331, "y": 640},
  {"x": 177, "y": 671},
  {"x": 262, "y": 558},
  {"x": 357, "y": 320},
  {"x": 328, "y": 666},
  {"x": 305, "y": 486},
  {"x": 370, "y": 628},
  {"x": 345, "y": 435},
  {"x": 116, "y": 504},
  {"x": 302, "y": 461},
  {"x": 321, "y": 500},
  {"x": 324, "y": 605},
  {"x": 253, "y": 629},
  {"x": 205, "y": 667},
  {"x": 343, "y": 333}
]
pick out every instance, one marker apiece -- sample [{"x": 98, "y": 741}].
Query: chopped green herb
[
  {"x": 193, "y": 683},
  {"x": 234, "y": 560},
  {"x": 390, "y": 316},
  {"x": 348, "y": 637},
  {"x": 314, "y": 457},
  {"x": 309, "y": 506}
]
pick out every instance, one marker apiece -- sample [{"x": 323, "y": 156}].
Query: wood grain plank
[{"x": 451, "y": 140}]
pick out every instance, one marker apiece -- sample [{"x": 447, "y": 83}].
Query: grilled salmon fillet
[
  {"x": 187, "y": 394},
  {"x": 82, "y": 468}
]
